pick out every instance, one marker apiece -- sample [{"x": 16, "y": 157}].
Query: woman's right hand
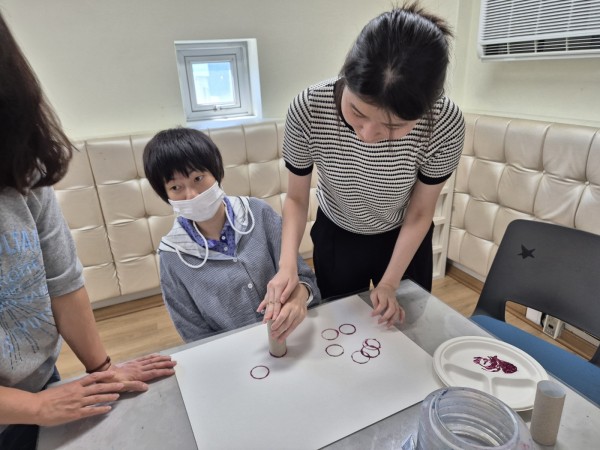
[
  {"x": 279, "y": 290},
  {"x": 85, "y": 397}
]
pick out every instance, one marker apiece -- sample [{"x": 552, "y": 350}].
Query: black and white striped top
[{"x": 365, "y": 188}]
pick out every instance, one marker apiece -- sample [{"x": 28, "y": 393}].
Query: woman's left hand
[
  {"x": 291, "y": 315},
  {"x": 385, "y": 304},
  {"x": 134, "y": 373}
]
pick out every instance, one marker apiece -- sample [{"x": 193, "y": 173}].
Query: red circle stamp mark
[
  {"x": 334, "y": 350},
  {"x": 359, "y": 358},
  {"x": 329, "y": 334},
  {"x": 259, "y": 372},
  {"x": 370, "y": 352},
  {"x": 372, "y": 343},
  {"x": 347, "y": 328}
]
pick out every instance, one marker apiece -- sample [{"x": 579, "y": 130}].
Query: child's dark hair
[
  {"x": 398, "y": 62},
  {"x": 180, "y": 150},
  {"x": 34, "y": 150}
]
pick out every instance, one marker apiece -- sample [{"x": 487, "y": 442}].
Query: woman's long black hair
[
  {"x": 34, "y": 151},
  {"x": 398, "y": 62}
]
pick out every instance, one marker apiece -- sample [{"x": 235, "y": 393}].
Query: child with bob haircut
[{"x": 222, "y": 251}]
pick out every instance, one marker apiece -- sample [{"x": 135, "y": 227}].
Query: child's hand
[{"x": 270, "y": 309}]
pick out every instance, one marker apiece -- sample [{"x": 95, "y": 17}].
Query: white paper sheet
[{"x": 309, "y": 399}]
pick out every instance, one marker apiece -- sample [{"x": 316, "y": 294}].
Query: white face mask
[{"x": 202, "y": 207}]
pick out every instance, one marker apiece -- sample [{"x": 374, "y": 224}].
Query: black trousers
[
  {"x": 23, "y": 437},
  {"x": 346, "y": 262}
]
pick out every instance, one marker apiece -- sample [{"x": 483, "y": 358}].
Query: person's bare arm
[
  {"x": 295, "y": 213},
  {"x": 417, "y": 222},
  {"x": 76, "y": 324}
]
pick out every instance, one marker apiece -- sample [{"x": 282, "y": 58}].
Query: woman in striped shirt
[{"x": 384, "y": 139}]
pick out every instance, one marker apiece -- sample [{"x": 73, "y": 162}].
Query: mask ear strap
[
  {"x": 249, "y": 211},
  {"x": 192, "y": 266}
]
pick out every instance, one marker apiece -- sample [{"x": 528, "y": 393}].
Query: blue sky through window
[{"x": 213, "y": 83}]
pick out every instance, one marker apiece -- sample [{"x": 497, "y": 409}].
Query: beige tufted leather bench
[
  {"x": 117, "y": 220},
  {"x": 521, "y": 169}
]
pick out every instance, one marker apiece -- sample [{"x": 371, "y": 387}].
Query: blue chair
[{"x": 556, "y": 270}]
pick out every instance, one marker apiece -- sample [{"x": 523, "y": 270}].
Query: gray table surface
[{"x": 157, "y": 419}]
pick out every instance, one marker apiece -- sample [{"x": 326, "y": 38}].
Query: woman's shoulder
[
  {"x": 445, "y": 107},
  {"x": 324, "y": 86},
  {"x": 39, "y": 200},
  {"x": 448, "y": 115},
  {"x": 314, "y": 103},
  {"x": 321, "y": 90}
]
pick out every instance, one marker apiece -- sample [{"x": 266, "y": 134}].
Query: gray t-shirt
[{"x": 38, "y": 261}]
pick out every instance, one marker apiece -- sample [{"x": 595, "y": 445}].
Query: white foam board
[{"x": 309, "y": 399}]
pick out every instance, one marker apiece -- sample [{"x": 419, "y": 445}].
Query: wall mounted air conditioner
[{"x": 527, "y": 29}]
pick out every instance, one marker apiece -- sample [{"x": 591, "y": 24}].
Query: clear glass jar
[{"x": 468, "y": 419}]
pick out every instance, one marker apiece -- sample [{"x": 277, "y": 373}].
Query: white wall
[
  {"x": 565, "y": 90},
  {"x": 108, "y": 66}
]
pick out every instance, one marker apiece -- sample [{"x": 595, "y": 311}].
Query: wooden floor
[{"x": 144, "y": 326}]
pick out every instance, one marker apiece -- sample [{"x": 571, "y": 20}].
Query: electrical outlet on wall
[
  {"x": 534, "y": 315},
  {"x": 553, "y": 326}
]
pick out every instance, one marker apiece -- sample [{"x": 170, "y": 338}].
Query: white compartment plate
[{"x": 453, "y": 362}]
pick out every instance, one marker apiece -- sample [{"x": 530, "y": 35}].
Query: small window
[{"x": 219, "y": 80}]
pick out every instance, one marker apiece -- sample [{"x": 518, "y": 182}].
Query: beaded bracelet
[{"x": 97, "y": 369}]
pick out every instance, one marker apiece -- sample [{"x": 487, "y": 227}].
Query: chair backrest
[{"x": 547, "y": 267}]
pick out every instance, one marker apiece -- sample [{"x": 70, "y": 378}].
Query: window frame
[{"x": 243, "y": 57}]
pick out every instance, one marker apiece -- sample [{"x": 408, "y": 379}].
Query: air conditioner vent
[{"x": 522, "y": 29}]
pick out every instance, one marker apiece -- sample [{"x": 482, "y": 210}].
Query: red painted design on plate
[{"x": 494, "y": 364}]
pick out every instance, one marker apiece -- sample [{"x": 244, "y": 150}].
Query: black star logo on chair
[{"x": 526, "y": 253}]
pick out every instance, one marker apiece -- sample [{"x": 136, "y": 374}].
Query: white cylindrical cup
[
  {"x": 276, "y": 348},
  {"x": 547, "y": 410}
]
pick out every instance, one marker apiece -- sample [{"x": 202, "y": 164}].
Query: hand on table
[
  {"x": 132, "y": 374},
  {"x": 86, "y": 397},
  {"x": 279, "y": 290},
  {"x": 77, "y": 399},
  {"x": 385, "y": 304},
  {"x": 291, "y": 314}
]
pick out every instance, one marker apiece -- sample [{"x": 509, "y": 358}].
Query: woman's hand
[
  {"x": 385, "y": 304},
  {"x": 85, "y": 397},
  {"x": 132, "y": 374},
  {"x": 291, "y": 315},
  {"x": 88, "y": 396},
  {"x": 279, "y": 289}
]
